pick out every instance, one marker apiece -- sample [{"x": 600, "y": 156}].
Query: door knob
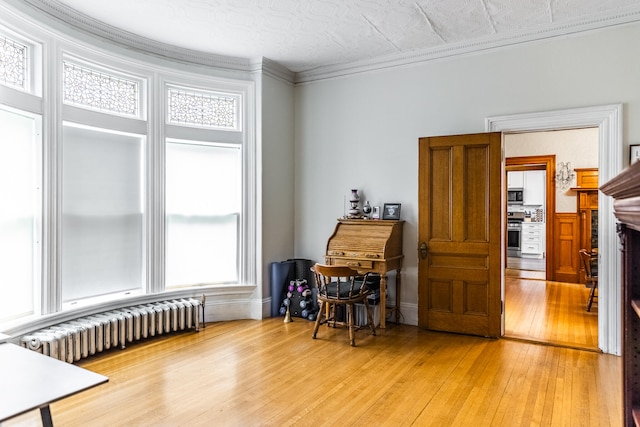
[{"x": 423, "y": 250}]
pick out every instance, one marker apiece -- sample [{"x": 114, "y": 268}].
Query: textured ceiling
[{"x": 306, "y": 34}]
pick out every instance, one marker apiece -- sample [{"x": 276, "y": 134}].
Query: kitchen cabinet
[
  {"x": 534, "y": 188},
  {"x": 533, "y": 240},
  {"x": 515, "y": 179},
  {"x": 533, "y": 185}
]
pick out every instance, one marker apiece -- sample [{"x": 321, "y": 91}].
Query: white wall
[
  {"x": 277, "y": 171},
  {"x": 578, "y": 146},
  {"x": 362, "y": 131}
]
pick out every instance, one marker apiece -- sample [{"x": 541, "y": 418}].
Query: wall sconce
[{"x": 565, "y": 175}]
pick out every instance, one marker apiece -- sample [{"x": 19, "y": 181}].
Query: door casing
[{"x": 549, "y": 163}]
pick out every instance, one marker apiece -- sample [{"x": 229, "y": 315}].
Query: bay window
[{"x": 114, "y": 182}]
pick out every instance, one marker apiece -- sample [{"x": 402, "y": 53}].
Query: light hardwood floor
[
  {"x": 270, "y": 373},
  {"x": 529, "y": 264},
  {"x": 549, "y": 312}
]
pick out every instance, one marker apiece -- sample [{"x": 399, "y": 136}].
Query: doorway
[
  {"x": 538, "y": 308},
  {"x": 532, "y": 216},
  {"x": 608, "y": 120}
]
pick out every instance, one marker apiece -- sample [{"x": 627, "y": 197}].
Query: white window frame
[
  {"x": 243, "y": 136},
  {"x": 48, "y": 48},
  {"x": 238, "y": 125},
  {"x": 115, "y": 71},
  {"x": 34, "y": 66}
]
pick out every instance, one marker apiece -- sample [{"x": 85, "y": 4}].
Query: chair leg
[
  {"x": 591, "y": 296},
  {"x": 319, "y": 319},
  {"x": 331, "y": 313},
  {"x": 372, "y": 325},
  {"x": 352, "y": 338}
]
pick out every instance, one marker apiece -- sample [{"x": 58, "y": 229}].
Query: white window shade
[
  {"x": 203, "y": 205},
  {"x": 102, "y": 214},
  {"x": 19, "y": 194}
]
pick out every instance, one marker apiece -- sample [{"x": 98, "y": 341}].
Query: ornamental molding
[
  {"x": 86, "y": 24},
  {"x": 545, "y": 32},
  {"x": 129, "y": 40}
]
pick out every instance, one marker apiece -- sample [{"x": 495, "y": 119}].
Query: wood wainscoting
[{"x": 566, "y": 240}]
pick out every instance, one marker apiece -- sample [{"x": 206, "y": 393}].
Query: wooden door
[{"x": 460, "y": 234}]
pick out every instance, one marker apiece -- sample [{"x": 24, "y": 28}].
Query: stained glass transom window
[
  {"x": 99, "y": 91},
  {"x": 13, "y": 63},
  {"x": 203, "y": 109}
]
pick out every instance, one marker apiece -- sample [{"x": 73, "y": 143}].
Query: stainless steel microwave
[{"x": 515, "y": 196}]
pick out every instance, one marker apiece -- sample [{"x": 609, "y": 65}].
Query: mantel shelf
[{"x": 583, "y": 188}]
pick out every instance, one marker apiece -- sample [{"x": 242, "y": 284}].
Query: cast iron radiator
[{"x": 79, "y": 338}]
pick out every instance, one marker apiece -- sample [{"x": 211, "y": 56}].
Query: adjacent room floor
[{"x": 546, "y": 311}]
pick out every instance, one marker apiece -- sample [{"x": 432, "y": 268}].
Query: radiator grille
[{"x": 79, "y": 338}]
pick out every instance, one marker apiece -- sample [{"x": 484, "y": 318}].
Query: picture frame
[
  {"x": 634, "y": 154},
  {"x": 391, "y": 211}
]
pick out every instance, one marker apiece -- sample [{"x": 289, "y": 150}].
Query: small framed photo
[
  {"x": 375, "y": 213},
  {"x": 634, "y": 154},
  {"x": 391, "y": 211}
]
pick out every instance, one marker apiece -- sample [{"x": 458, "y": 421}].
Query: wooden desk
[
  {"x": 370, "y": 245},
  {"x": 30, "y": 380}
]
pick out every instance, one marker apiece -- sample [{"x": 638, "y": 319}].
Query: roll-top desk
[{"x": 369, "y": 246}]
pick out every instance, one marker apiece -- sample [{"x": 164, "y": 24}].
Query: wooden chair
[
  {"x": 591, "y": 274},
  {"x": 341, "y": 286}
]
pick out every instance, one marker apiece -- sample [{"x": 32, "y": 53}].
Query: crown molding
[
  {"x": 273, "y": 69},
  {"x": 131, "y": 41},
  {"x": 629, "y": 15},
  {"x": 86, "y": 24}
]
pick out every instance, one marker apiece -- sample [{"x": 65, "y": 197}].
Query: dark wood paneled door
[{"x": 460, "y": 234}]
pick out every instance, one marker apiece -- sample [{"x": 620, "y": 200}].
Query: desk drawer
[{"x": 354, "y": 263}]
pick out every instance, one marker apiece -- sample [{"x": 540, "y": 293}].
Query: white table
[{"x": 30, "y": 380}]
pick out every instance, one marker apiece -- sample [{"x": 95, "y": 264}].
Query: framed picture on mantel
[{"x": 391, "y": 211}]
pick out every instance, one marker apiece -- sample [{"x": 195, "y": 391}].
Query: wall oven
[{"x": 514, "y": 233}]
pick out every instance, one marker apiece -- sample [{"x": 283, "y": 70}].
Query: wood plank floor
[
  {"x": 270, "y": 373},
  {"x": 530, "y": 264},
  {"x": 550, "y": 312}
]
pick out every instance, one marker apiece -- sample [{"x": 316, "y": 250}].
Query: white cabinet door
[
  {"x": 515, "y": 179},
  {"x": 534, "y": 187}
]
